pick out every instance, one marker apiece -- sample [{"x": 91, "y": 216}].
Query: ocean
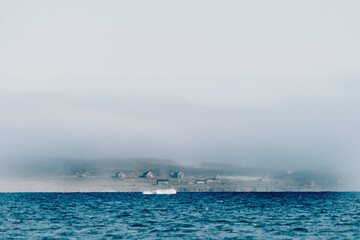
[{"x": 300, "y": 215}]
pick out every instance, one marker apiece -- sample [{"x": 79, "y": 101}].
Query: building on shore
[
  {"x": 81, "y": 174},
  {"x": 200, "y": 182},
  {"x": 177, "y": 175},
  {"x": 120, "y": 175},
  {"x": 162, "y": 182},
  {"x": 147, "y": 174},
  {"x": 215, "y": 179}
]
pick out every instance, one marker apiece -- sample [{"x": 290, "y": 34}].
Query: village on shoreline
[{"x": 138, "y": 175}]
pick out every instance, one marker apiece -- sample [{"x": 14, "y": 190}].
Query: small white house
[
  {"x": 120, "y": 175},
  {"x": 177, "y": 175},
  {"x": 148, "y": 174}
]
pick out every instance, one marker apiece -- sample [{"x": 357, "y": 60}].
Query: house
[
  {"x": 212, "y": 180},
  {"x": 200, "y": 182},
  {"x": 162, "y": 182},
  {"x": 120, "y": 175},
  {"x": 81, "y": 174},
  {"x": 177, "y": 175},
  {"x": 148, "y": 174},
  {"x": 215, "y": 179}
]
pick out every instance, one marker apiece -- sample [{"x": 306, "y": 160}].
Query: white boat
[{"x": 161, "y": 191}]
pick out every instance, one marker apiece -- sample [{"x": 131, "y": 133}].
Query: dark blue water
[{"x": 182, "y": 216}]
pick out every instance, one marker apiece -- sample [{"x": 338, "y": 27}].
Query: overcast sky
[{"x": 261, "y": 83}]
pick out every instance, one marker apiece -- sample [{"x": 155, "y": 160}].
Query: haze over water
[
  {"x": 270, "y": 84},
  {"x": 269, "y": 88}
]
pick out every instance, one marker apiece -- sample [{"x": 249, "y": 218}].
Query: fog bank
[{"x": 254, "y": 84}]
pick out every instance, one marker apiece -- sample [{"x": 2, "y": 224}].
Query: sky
[{"x": 254, "y": 83}]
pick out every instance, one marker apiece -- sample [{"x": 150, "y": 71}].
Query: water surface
[{"x": 184, "y": 215}]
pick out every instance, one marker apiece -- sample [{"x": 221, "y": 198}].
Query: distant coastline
[{"x": 142, "y": 174}]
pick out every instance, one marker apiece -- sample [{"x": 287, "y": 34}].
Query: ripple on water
[{"x": 183, "y": 216}]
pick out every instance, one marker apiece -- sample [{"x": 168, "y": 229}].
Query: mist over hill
[
  {"x": 101, "y": 166},
  {"x": 127, "y": 174}
]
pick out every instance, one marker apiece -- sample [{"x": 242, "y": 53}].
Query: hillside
[{"x": 103, "y": 175}]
